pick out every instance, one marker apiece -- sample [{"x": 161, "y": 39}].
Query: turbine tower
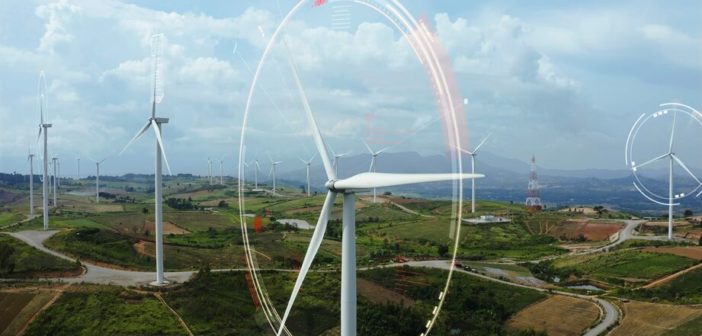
[
  {"x": 221, "y": 172},
  {"x": 256, "y": 169},
  {"x": 30, "y": 159},
  {"x": 336, "y": 160},
  {"x": 307, "y": 165},
  {"x": 44, "y": 128},
  {"x": 155, "y": 123},
  {"x": 274, "y": 165},
  {"x": 97, "y": 179},
  {"x": 209, "y": 170},
  {"x": 533, "y": 200},
  {"x": 78, "y": 171},
  {"x": 374, "y": 158},
  {"x": 472, "y": 154},
  {"x": 348, "y": 187}
]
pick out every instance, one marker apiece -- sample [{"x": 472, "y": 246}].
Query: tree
[
  {"x": 6, "y": 265},
  {"x": 442, "y": 250},
  {"x": 144, "y": 210},
  {"x": 700, "y": 242},
  {"x": 688, "y": 213}
]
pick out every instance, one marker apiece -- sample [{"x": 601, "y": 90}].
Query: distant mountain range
[{"x": 506, "y": 180}]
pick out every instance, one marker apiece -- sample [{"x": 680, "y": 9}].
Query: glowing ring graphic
[
  {"x": 631, "y": 139},
  {"x": 422, "y": 43}
]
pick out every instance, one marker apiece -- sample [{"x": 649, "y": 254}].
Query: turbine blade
[
  {"x": 686, "y": 169},
  {"x": 384, "y": 149},
  {"x": 136, "y": 137},
  {"x": 672, "y": 132},
  {"x": 157, "y": 131},
  {"x": 367, "y": 147},
  {"x": 39, "y": 136},
  {"x": 380, "y": 180},
  {"x": 270, "y": 172},
  {"x": 312, "y": 250},
  {"x": 475, "y": 150},
  {"x": 370, "y": 168},
  {"x": 318, "y": 140},
  {"x": 651, "y": 161}
]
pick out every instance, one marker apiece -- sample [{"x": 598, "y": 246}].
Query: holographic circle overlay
[
  {"x": 667, "y": 110},
  {"x": 430, "y": 53}
]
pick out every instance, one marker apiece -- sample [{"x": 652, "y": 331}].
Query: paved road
[
  {"x": 610, "y": 314},
  {"x": 104, "y": 275},
  {"x": 94, "y": 273}
]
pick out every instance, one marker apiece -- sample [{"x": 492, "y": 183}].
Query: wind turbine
[
  {"x": 256, "y": 169},
  {"x": 348, "y": 187},
  {"x": 336, "y": 159},
  {"x": 30, "y": 159},
  {"x": 307, "y": 164},
  {"x": 44, "y": 128},
  {"x": 97, "y": 179},
  {"x": 209, "y": 170},
  {"x": 374, "y": 157},
  {"x": 672, "y": 159},
  {"x": 472, "y": 154},
  {"x": 221, "y": 172},
  {"x": 274, "y": 165},
  {"x": 78, "y": 174},
  {"x": 155, "y": 123}
]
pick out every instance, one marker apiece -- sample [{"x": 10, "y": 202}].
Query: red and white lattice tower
[{"x": 533, "y": 200}]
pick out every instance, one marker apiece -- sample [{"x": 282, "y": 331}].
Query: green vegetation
[
  {"x": 7, "y": 217},
  {"x": 100, "y": 245},
  {"x": 685, "y": 289},
  {"x": 106, "y": 310},
  {"x": 690, "y": 328},
  {"x": 619, "y": 267},
  {"x": 19, "y": 260}
]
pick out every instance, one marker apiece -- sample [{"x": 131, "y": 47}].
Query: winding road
[{"x": 103, "y": 275}]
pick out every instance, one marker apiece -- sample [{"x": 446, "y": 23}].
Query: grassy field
[
  {"x": 649, "y": 319},
  {"x": 689, "y": 328},
  {"x": 685, "y": 289},
  {"x": 557, "y": 316},
  {"x": 17, "y": 307},
  {"x": 632, "y": 266},
  {"x": 7, "y": 217},
  {"x": 26, "y": 261},
  {"x": 106, "y": 310}
]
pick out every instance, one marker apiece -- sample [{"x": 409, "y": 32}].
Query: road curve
[{"x": 104, "y": 275}]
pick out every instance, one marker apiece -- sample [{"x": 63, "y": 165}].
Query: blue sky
[{"x": 562, "y": 80}]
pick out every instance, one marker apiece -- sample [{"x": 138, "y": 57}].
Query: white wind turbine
[
  {"x": 274, "y": 165},
  {"x": 336, "y": 159},
  {"x": 307, "y": 165},
  {"x": 374, "y": 157},
  {"x": 78, "y": 171},
  {"x": 97, "y": 179},
  {"x": 257, "y": 167},
  {"x": 472, "y": 154},
  {"x": 348, "y": 187},
  {"x": 221, "y": 171},
  {"x": 155, "y": 123},
  {"x": 44, "y": 128},
  {"x": 30, "y": 159},
  {"x": 209, "y": 170},
  {"x": 670, "y": 155}
]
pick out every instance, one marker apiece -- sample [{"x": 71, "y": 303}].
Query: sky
[{"x": 562, "y": 80}]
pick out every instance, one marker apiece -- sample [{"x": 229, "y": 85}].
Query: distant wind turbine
[
  {"x": 97, "y": 179},
  {"x": 374, "y": 157},
  {"x": 209, "y": 170},
  {"x": 155, "y": 124},
  {"x": 336, "y": 159},
  {"x": 472, "y": 154},
  {"x": 348, "y": 187},
  {"x": 221, "y": 172},
  {"x": 307, "y": 165},
  {"x": 274, "y": 165},
  {"x": 44, "y": 128},
  {"x": 54, "y": 161}
]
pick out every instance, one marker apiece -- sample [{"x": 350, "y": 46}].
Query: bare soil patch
[
  {"x": 556, "y": 315},
  {"x": 692, "y": 252},
  {"x": 578, "y": 229},
  {"x": 653, "y": 319},
  {"x": 379, "y": 294},
  {"x": 168, "y": 228}
]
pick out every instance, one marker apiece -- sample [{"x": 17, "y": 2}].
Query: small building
[{"x": 486, "y": 219}]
